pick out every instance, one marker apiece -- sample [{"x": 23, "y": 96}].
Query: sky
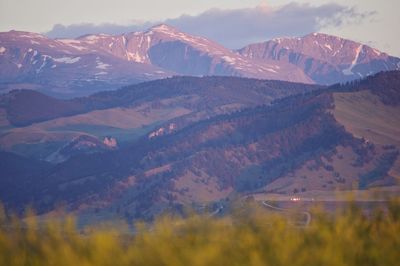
[{"x": 233, "y": 23}]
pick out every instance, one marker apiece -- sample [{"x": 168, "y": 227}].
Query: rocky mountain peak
[{"x": 163, "y": 28}]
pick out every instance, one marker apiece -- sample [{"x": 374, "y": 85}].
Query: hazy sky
[{"x": 230, "y": 22}]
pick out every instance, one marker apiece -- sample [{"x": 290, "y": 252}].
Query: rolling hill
[
  {"x": 239, "y": 137},
  {"x": 38, "y": 125}
]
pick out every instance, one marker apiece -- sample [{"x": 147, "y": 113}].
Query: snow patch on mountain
[
  {"x": 328, "y": 46},
  {"x": 44, "y": 63},
  {"x": 349, "y": 71},
  {"x": 91, "y": 38},
  {"x": 162, "y": 27},
  {"x": 376, "y": 52},
  {"x": 67, "y": 60},
  {"x": 30, "y": 35},
  {"x": 25, "y": 36},
  {"x": 101, "y": 73},
  {"x": 34, "y": 52},
  {"x": 101, "y": 65},
  {"x": 136, "y": 57},
  {"x": 271, "y": 70},
  {"x": 75, "y": 44},
  {"x": 69, "y": 41},
  {"x": 229, "y": 59}
]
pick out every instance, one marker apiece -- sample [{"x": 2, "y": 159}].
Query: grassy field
[
  {"x": 125, "y": 124},
  {"x": 364, "y": 115},
  {"x": 249, "y": 236}
]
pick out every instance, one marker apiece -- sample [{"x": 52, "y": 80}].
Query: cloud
[{"x": 237, "y": 27}]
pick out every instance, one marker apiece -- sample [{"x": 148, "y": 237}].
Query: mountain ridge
[
  {"x": 95, "y": 62},
  {"x": 286, "y": 145},
  {"x": 324, "y": 58}
]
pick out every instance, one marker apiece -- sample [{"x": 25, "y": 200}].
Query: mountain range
[
  {"x": 136, "y": 124},
  {"x": 90, "y": 63}
]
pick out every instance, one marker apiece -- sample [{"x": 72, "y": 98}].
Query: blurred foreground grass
[{"x": 245, "y": 238}]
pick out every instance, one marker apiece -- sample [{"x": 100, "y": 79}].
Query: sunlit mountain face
[
  {"x": 74, "y": 67},
  {"x": 324, "y": 58}
]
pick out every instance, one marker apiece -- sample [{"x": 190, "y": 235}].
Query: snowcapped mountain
[
  {"x": 324, "y": 58},
  {"x": 98, "y": 62},
  {"x": 73, "y": 67},
  {"x": 30, "y": 60},
  {"x": 184, "y": 54}
]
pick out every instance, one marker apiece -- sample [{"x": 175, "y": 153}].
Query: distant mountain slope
[
  {"x": 24, "y": 107},
  {"x": 294, "y": 145},
  {"x": 171, "y": 49},
  {"x": 90, "y": 63},
  {"x": 371, "y": 110},
  {"x": 98, "y": 62},
  {"x": 39, "y": 126},
  {"x": 27, "y": 106},
  {"x": 30, "y": 60},
  {"x": 324, "y": 58},
  {"x": 385, "y": 85}
]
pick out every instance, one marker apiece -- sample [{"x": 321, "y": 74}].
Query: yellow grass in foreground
[{"x": 246, "y": 238}]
